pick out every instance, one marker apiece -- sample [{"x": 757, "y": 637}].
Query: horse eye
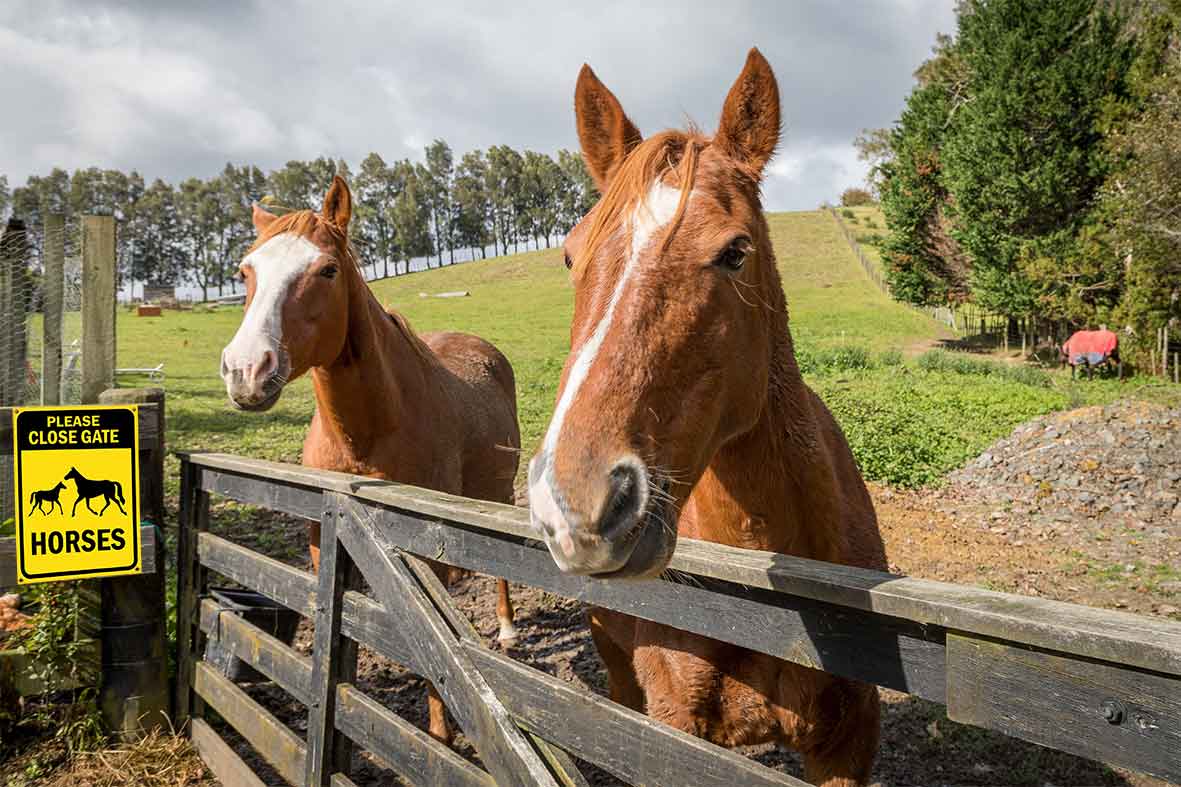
[
  {"x": 733, "y": 256},
  {"x": 569, "y": 262},
  {"x": 328, "y": 271}
]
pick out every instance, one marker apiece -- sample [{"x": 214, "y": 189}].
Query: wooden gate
[{"x": 1106, "y": 685}]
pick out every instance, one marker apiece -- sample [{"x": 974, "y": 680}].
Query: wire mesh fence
[{"x": 40, "y": 321}]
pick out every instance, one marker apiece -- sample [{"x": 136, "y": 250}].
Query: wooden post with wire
[
  {"x": 98, "y": 306},
  {"x": 53, "y": 281}
]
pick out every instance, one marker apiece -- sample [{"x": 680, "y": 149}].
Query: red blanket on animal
[{"x": 1089, "y": 344}]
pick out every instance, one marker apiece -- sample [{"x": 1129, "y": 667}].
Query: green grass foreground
[{"x": 908, "y": 423}]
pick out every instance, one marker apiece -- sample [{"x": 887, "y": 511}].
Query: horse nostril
[
  {"x": 270, "y": 362},
  {"x": 624, "y": 501},
  {"x": 225, "y": 367}
]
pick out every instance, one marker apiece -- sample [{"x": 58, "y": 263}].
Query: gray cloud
[{"x": 175, "y": 89}]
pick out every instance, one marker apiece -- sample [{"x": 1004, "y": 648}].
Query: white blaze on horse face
[
  {"x": 651, "y": 215},
  {"x": 276, "y": 265}
]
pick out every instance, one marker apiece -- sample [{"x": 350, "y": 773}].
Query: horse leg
[
  {"x": 107, "y": 505},
  {"x": 614, "y": 636},
  {"x": 843, "y": 755},
  {"x": 118, "y": 505},
  {"x": 504, "y": 613},
  {"x": 59, "y": 507},
  {"x": 36, "y": 507},
  {"x": 314, "y": 545},
  {"x": 74, "y": 510},
  {"x": 439, "y": 729}
]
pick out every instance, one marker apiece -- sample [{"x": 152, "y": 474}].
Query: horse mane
[
  {"x": 652, "y": 159},
  {"x": 305, "y": 223}
]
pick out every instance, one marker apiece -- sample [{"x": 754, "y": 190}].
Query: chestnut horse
[
  {"x": 437, "y": 411},
  {"x": 681, "y": 411}
]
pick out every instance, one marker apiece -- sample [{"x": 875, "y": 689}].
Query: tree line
[
  {"x": 1035, "y": 167},
  {"x": 196, "y": 231}
]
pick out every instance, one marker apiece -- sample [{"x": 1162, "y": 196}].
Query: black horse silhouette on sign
[
  {"x": 111, "y": 490},
  {"x": 49, "y": 496}
]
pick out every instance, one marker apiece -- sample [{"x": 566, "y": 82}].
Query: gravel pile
[{"x": 1118, "y": 464}]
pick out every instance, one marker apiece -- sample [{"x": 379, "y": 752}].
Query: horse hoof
[{"x": 508, "y": 634}]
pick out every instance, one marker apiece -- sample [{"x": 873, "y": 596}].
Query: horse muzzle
[
  {"x": 624, "y": 526},
  {"x": 254, "y": 386}
]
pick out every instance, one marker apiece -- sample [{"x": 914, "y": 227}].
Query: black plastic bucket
[{"x": 270, "y": 616}]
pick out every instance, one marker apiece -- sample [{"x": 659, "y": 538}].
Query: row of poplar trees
[
  {"x": 1036, "y": 167},
  {"x": 195, "y": 232}
]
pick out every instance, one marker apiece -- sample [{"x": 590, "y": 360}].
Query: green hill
[{"x": 906, "y": 422}]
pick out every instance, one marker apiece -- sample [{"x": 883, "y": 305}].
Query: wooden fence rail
[{"x": 1106, "y": 685}]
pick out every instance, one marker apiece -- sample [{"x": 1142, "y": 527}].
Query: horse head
[
  {"x": 300, "y": 275},
  {"x": 674, "y": 337}
]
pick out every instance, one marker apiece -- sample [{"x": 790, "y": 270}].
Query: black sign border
[{"x": 16, "y": 465}]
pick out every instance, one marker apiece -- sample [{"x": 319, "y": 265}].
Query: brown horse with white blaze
[
  {"x": 681, "y": 411},
  {"x": 437, "y": 411}
]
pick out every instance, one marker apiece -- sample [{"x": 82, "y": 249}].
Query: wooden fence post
[
  {"x": 1164, "y": 355},
  {"x": 53, "y": 293},
  {"x": 190, "y": 587},
  {"x": 15, "y": 288},
  {"x": 334, "y": 657},
  {"x": 98, "y": 306},
  {"x": 133, "y": 694}
]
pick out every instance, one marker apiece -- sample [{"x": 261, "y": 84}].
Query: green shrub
[
  {"x": 960, "y": 363},
  {"x": 890, "y": 358},
  {"x": 848, "y": 214},
  {"x": 910, "y": 427},
  {"x": 833, "y": 360},
  {"x": 867, "y": 238}
]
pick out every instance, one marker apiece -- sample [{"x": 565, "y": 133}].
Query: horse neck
[
  {"x": 773, "y": 487},
  {"x": 380, "y": 370}
]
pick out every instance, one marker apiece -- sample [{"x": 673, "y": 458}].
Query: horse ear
[
  {"x": 262, "y": 218},
  {"x": 338, "y": 204},
  {"x": 604, "y": 131},
  {"x": 749, "y": 128}
]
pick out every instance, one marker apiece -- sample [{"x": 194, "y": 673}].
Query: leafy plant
[{"x": 58, "y": 658}]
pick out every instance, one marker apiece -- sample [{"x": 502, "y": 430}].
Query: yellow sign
[{"x": 77, "y": 492}]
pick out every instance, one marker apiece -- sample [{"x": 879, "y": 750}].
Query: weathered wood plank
[
  {"x": 560, "y": 763},
  {"x": 225, "y": 763},
  {"x": 294, "y": 500},
  {"x": 98, "y": 306},
  {"x": 852, "y": 643},
  {"x": 504, "y": 750},
  {"x": 277, "y": 744},
  {"x": 1147, "y": 643},
  {"x": 405, "y": 748},
  {"x": 408, "y": 750},
  {"x": 334, "y": 658},
  {"x": 291, "y": 587},
  {"x": 1124, "y": 717},
  {"x": 289, "y": 670},
  {"x": 364, "y": 620},
  {"x": 147, "y": 535},
  {"x": 22, "y": 669},
  {"x": 635, "y": 747},
  {"x": 53, "y": 258},
  {"x": 628, "y": 744},
  {"x": 191, "y": 579}
]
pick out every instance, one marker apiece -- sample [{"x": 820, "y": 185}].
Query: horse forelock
[
  {"x": 669, "y": 157},
  {"x": 309, "y": 224}
]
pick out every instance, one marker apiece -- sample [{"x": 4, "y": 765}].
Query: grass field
[{"x": 907, "y": 424}]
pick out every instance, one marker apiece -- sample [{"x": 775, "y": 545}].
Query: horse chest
[{"x": 708, "y": 688}]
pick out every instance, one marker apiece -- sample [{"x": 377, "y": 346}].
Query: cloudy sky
[{"x": 175, "y": 88}]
